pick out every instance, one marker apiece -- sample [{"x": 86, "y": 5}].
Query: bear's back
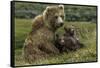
[{"x": 42, "y": 35}]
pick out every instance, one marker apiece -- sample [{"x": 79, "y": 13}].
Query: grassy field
[{"x": 87, "y": 35}]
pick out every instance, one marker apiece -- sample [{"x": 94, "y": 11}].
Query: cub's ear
[
  {"x": 65, "y": 28},
  {"x": 57, "y": 35},
  {"x": 61, "y": 6}
]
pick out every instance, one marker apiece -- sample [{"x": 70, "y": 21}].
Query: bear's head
[{"x": 54, "y": 16}]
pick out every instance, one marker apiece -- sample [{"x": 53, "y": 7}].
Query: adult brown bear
[{"x": 40, "y": 41}]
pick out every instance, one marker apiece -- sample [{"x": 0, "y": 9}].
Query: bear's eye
[
  {"x": 56, "y": 17},
  {"x": 62, "y": 16}
]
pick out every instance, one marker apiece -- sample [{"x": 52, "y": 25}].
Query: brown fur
[
  {"x": 68, "y": 41},
  {"x": 39, "y": 43}
]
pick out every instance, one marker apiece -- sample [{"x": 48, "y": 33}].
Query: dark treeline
[{"x": 72, "y": 12}]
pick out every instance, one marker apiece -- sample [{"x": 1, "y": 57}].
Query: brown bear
[
  {"x": 40, "y": 41},
  {"x": 69, "y": 41}
]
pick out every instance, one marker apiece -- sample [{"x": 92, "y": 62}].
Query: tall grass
[{"x": 86, "y": 32}]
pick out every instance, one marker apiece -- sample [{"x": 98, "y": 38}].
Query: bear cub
[{"x": 68, "y": 41}]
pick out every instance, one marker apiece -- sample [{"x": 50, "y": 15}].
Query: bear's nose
[{"x": 61, "y": 24}]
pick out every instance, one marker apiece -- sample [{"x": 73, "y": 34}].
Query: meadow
[{"x": 87, "y": 35}]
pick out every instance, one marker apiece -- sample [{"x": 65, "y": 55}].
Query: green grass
[
  {"x": 87, "y": 35},
  {"x": 22, "y": 27}
]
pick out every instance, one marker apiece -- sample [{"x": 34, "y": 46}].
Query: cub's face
[
  {"x": 70, "y": 31},
  {"x": 60, "y": 40},
  {"x": 55, "y": 15}
]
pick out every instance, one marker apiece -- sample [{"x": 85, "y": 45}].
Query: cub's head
[
  {"x": 60, "y": 40},
  {"x": 69, "y": 31},
  {"x": 54, "y": 16}
]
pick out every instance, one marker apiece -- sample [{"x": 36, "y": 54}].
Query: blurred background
[{"x": 72, "y": 12}]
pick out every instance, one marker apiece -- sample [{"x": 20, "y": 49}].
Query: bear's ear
[
  {"x": 61, "y": 6},
  {"x": 48, "y": 8},
  {"x": 46, "y": 12}
]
